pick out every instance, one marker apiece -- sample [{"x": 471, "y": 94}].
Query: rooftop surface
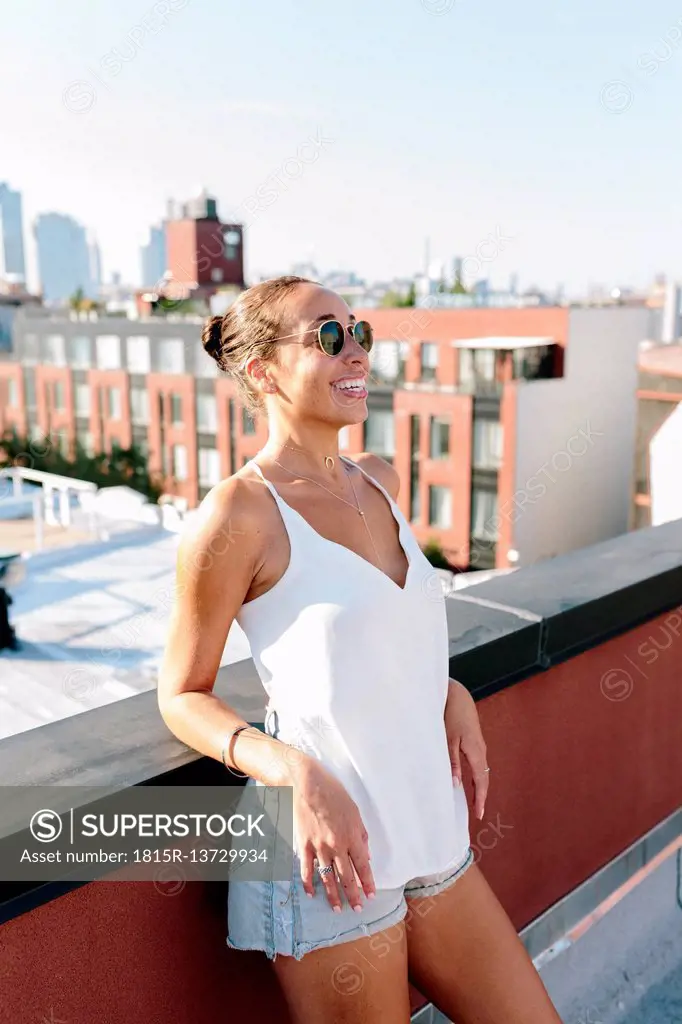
[
  {"x": 626, "y": 968},
  {"x": 664, "y": 359},
  {"x": 91, "y": 620}
]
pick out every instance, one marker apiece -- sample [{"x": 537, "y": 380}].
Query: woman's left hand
[{"x": 463, "y": 731}]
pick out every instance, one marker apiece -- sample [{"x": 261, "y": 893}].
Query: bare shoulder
[
  {"x": 230, "y": 521},
  {"x": 381, "y": 470}
]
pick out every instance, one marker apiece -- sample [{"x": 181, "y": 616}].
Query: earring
[{"x": 269, "y": 386}]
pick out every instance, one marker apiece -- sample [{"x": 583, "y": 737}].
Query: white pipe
[{"x": 38, "y": 520}]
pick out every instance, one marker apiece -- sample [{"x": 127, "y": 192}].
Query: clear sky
[{"x": 554, "y": 123}]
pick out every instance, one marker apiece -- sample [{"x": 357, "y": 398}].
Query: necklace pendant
[{"x": 329, "y": 461}]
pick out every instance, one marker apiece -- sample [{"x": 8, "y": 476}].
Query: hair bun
[{"x": 211, "y": 335}]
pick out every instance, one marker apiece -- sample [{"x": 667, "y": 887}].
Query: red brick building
[{"x": 505, "y": 424}]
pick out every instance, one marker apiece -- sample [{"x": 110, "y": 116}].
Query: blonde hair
[{"x": 247, "y": 329}]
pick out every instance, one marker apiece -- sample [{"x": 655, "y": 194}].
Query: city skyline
[{"x": 549, "y": 126}]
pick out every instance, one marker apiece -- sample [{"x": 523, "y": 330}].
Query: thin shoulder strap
[
  {"x": 369, "y": 476},
  {"x": 283, "y": 507}
]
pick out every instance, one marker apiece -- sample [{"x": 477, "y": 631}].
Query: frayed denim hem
[
  {"x": 445, "y": 883},
  {"x": 361, "y": 931}
]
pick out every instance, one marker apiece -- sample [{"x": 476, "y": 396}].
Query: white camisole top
[{"x": 357, "y": 671}]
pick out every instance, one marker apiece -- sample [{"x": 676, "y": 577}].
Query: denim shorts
[{"x": 279, "y": 917}]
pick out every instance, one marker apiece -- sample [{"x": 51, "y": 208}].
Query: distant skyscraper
[
  {"x": 514, "y": 284},
  {"x": 154, "y": 257},
  {"x": 63, "y": 257},
  {"x": 457, "y": 269},
  {"x": 95, "y": 267},
  {"x": 11, "y": 234}
]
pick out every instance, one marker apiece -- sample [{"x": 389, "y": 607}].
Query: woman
[{"x": 349, "y": 635}]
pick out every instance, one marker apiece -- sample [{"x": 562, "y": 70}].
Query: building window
[
  {"x": 439, "y": 437},
  {"x": 477, "y": 371},
  {"x": 380, "y": 433},
  {"x": 30, "y": 350},
  {"x": 55, "y": 353},
  {"x": 12, "y": 393},
  {"x": 484, "y": 518},
  {"x": 139, "y": 407},
  {"x": 61, "y": 437},
  {"x": 429, "y": 360},
  {"x": 176, "y": 410},
  {"x": 209, "y": 467},
  {"x": 207, "y": 414},
  {"x": 58, "y": 396},
  {"x": 81, "y": 354},
  {"x": 487, "y": 444},
  {"x": 114, "y": 399},
  {"x": 533, "y": 363},
  {"x": 248, "y": 423},
  {"x": 137, "y": 350},
  {"x": 108, "y": 352},
  {"x": 64, "y": 443},
  {"x": 29, "y": 388},
  {"x": 180, "y": 462},
  {"x": 415, "y": 504},
  {"x": 387, "y": 361},
  {"x": 85, "y": 442},
  {"x": 172, "y": 355},
  {"x": 440, "y": 506},
  {"x": 82, "y": 400}
]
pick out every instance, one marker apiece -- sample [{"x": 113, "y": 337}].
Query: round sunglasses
[{"x": 331, "y": 335}]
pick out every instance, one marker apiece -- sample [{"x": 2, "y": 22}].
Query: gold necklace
[
  {"x": 328, "y": 459},
  {"x": 356, "y": 506}
]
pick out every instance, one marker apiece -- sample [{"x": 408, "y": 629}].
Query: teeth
[{"x": 354, "y": 386}]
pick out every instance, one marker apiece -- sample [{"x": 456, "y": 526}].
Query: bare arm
[{"x": 218, "y": 558}]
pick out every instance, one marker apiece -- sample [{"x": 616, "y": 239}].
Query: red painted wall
[
  {"x": 585, "y": 758},
  {"x": 12, "y": 416}
]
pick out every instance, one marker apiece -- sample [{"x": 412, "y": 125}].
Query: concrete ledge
[{"x": 512, "y": 627}]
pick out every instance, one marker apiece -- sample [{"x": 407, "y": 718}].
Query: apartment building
[
  {"x": 658, "y": 454},
  {"x": 513, "y": 429}
]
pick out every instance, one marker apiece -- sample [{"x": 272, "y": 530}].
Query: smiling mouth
[{"x": 352, "y": 388}]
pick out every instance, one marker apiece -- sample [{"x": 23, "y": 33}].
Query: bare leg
[
  {"x": 465, "y": 956},
  {"x": 361, "y": 982}
]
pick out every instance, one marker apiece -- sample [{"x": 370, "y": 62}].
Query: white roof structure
[
  {"x": 508, "y": 341},
  {"x": 91, "y": 620}
]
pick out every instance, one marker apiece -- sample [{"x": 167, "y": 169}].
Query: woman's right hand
[{"x": 328, "y": 826}]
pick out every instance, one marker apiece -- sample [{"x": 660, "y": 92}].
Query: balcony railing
[{"x": 574, "y": 664}]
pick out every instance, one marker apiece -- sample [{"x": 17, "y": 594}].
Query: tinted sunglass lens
[
  {"x": 331, "y": 337},
  {"x": 363, "y": 334}
]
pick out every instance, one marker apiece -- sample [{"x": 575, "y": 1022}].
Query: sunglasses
[{"x": 331, "y": 335}]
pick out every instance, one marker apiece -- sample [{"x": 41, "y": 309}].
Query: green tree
[
  {"x": 458, "y": 288},
  {"x": 393, "y": 300},
  {"x": 434, "y": 553},
  {"x": 119, "y": 467}
]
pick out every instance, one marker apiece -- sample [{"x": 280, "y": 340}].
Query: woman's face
[{"x": 308, "y": 380}]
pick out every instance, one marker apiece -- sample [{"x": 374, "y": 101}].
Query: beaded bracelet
[{"x": 232, "y": 735}]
